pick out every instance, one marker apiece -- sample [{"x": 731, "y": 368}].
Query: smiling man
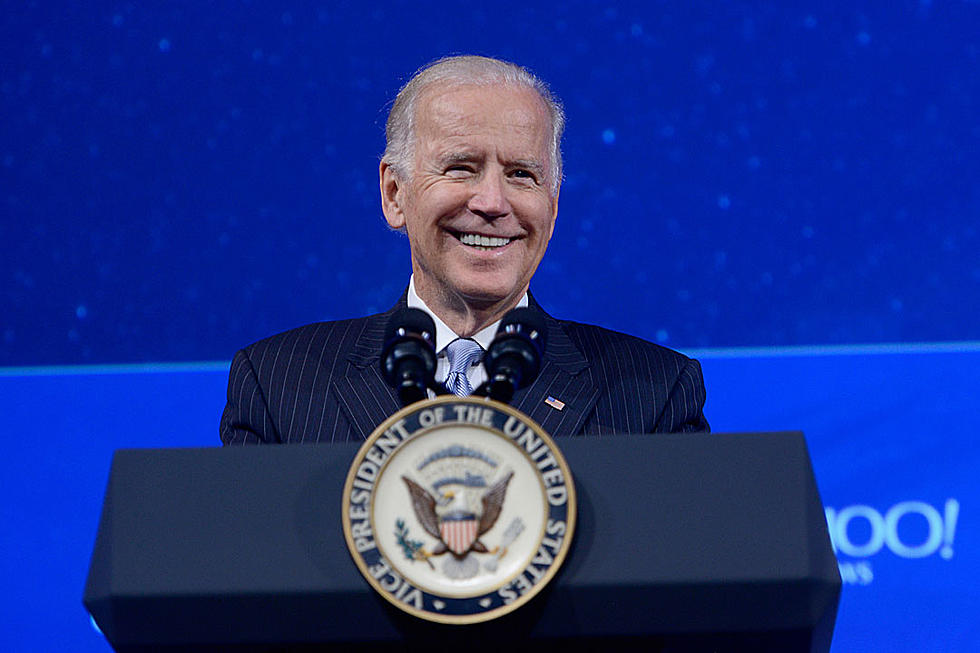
[
  {"x": 471, "y": 174},
  {"x": 476, "y": 197}
]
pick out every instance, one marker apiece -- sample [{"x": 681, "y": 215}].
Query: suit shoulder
[{"x": 599, "y": 342}]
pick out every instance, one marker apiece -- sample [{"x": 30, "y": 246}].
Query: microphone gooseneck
[
  {"x": 408, "y": 358},
  {"x": 513, "y": 359}
]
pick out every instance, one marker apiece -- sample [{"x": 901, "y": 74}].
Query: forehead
[{"x": 504, "y": 115}]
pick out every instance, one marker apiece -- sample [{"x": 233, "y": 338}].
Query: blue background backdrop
[{"x": 178, "y": 181}]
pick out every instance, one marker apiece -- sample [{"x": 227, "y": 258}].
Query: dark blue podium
[{"x": 684, "y": 542}]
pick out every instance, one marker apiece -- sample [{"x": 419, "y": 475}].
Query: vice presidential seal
[{"x": 459, "y": 510}]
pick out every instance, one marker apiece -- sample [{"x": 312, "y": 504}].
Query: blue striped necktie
[{"x": 462, "y": 353}]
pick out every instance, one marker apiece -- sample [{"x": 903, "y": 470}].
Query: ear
[
  {"x": 392, "y": 196},
  {"x": 554, "y": 211}
]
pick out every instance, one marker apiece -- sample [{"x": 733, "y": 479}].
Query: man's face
[{"x": 477, "y": 205}]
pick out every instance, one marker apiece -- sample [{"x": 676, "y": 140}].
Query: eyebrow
[
  {"x": 457, "y": 157},
  {"x": 463, "y": 156},
  {"x": 530, "y": 164}
]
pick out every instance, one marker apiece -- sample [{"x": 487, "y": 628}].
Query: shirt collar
[{"x": 445, "y": 335}]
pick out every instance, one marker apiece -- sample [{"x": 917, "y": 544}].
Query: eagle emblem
[{"x": 460, "y": 508}]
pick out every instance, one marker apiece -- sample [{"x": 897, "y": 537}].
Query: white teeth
[{"x": 476, "y": 240}]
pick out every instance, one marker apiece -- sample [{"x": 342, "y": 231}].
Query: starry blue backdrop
[{"x": 177, "y": 181}]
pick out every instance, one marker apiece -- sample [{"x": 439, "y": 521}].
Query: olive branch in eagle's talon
[{"x": 412, "y": 548}]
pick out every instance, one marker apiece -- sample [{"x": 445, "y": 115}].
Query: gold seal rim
[{"x": 570, "y": 517}]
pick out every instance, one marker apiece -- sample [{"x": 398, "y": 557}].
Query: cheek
[
  {"x": 551, "y": 225},
  {"x": 543, "y": 218},
  {"x": 429, "y": 207}
]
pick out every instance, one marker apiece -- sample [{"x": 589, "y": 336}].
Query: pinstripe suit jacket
[{"x": 322, "y": 383}]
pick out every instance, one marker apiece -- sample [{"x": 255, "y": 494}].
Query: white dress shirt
[{"x": 477, "y": 374}]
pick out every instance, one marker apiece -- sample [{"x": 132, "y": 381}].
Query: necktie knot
[{"x": 462, "y": 353}]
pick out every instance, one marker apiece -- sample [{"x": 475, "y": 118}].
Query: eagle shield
[{"x": 458, "y": 532}]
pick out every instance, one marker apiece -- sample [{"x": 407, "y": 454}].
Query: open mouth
[{"x": 482, "y": 242}]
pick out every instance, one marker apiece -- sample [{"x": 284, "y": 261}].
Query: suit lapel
[
  {"x": 564, "y": 377},
  {"x": 364, "y": 395},
  {"x": 366, "y": 398}
]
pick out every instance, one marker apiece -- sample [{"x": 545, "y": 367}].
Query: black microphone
[
  {"x": 408, "y": 358},
  {"x": 513, "y": 359}
]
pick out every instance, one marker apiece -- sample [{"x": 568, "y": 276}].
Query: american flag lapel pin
[{"x": 554, "y": 403}]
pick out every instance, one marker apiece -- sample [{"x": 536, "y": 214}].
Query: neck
[{"x": 465, "y": 316}]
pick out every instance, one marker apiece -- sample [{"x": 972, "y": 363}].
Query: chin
[
  {"x": 485, "y": 286},
  {"x": 486, "y": 295}
]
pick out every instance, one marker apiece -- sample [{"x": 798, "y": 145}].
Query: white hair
[{"x": 464, "y": 69}]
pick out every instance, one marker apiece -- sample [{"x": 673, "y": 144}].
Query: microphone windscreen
[
  {"x": 411, "y": 320},
  {"x": 527, "y": 321}
]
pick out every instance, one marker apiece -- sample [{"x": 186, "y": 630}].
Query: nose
[{"x": 489, "y": 198}]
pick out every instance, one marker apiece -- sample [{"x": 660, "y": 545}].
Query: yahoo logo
[{"x": 861, "y": 531}]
